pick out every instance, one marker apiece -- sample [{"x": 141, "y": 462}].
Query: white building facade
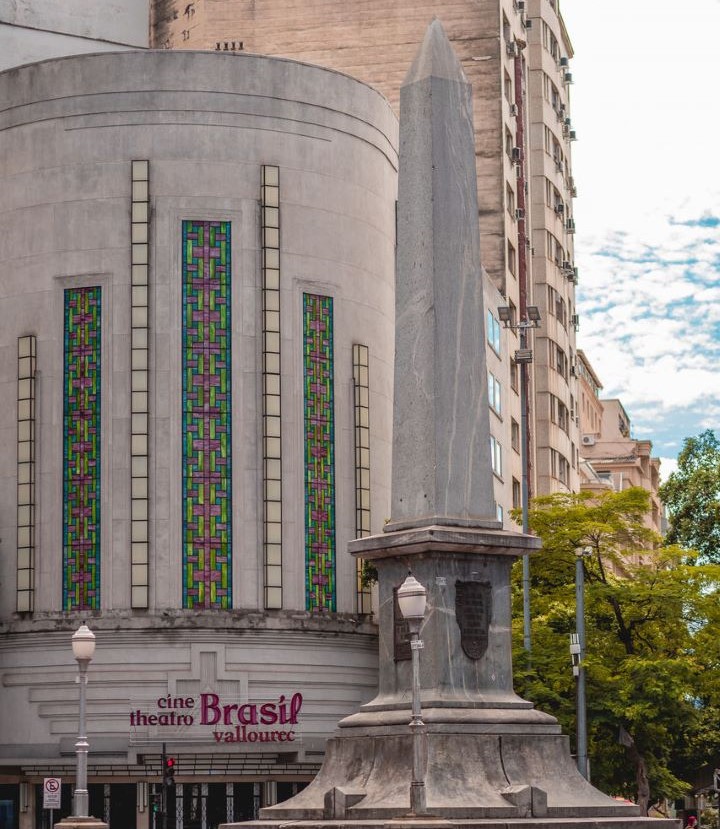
[{"x": 196, "y": 338}]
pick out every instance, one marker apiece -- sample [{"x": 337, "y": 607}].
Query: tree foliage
[
  {"x": 652, "y": 667},
  {"x": 692, "y": 497}
]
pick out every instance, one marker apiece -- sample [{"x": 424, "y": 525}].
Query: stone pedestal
[
  {"x": 81, "y": 823},
  {"x": 492, "y": 759}
]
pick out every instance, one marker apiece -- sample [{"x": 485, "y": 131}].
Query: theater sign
[{"x": 217, "y": 720}]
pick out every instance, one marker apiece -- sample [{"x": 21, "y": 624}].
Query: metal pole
[
  {"x": 582, "y": 757},
  {"x": 81, "y": 747},
  {"x": 524, "y": 491},
  {"x": 417, "y": 728},
  {"x": 164, "y": 797}
]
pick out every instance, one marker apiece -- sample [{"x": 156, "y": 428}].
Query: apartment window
[
  {"x": 513, "y": 312},
  {"x": 514, "y": 372},
  {"x": 507, "y": 86},
  {"x": 573, "y": 451},
  {"x": 559, "y": 467},
  {"x": 559, "y": 413},
  {"x": 553, "y": 47},
  {"x": 561, "y": 310},
  {"x": 515, "y": 434},
  {"x": 493, "y": 332},
  {"x": 563, "y": 469},
  {"x": 558, "y": 358},
  {"x": 494, "y": 393},
  {"x": 554, "y": 97},
  {"x": 507, "y": 31},
  {"x": 511, "y": 258},
  {"x": 496, "y": 456},
  {"x": 510, "y": 200},
  {"x": 545, "y": 35},
  {"x": 509, "y": 144},
  {"x": 516, "y": 494}
]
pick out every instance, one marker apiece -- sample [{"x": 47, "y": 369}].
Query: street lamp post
[
  {"x": 412, "y": 598},
  {"x": 523, "y": 357},
  {"x": 83, "y": 645},
  {"x": 582, "y": 751}
]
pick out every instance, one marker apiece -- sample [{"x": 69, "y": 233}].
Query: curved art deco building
[{"x": 196, "y": 323}]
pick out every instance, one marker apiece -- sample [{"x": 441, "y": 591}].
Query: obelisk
[
  {"x": 441, "y": 473},
  {"x": 489, "y": 758}
]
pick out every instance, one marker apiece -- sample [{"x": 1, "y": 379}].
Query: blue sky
[{"x": 644, "y": 106}]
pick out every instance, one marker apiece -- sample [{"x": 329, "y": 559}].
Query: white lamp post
[
  {"x": 412, "y": 599},
  {"x": 83, "y": 645}
]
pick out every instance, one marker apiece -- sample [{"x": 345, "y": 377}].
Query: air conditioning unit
[
  {"x": 559, "y": 208},
  {"x": 567, "y": 78},
  {"x": 513, "y": 110},
  {"x": 516, "y": 154},
  {"x": 564, "y": 63},
  {"x": 570, "y": 227},
  {"x": 575, "y": 321},
  {"x": 521, "y": 5},
  {"x": 566, "y": 266},
  {"x": 558, "y": 165},
  {"x": 519, "y": 213},
  {"x": 527, "y": 23},
  {"x": 573, "y": 135},
  {"x": 512, "y": 49},
  {"x": 588, "y": 440}
]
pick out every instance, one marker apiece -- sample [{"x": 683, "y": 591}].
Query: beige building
[
  {"x": 516, "y": 56},
  {"x": 610, "y": 456}
]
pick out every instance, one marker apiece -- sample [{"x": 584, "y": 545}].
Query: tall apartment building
[{"x": 516, "y": 56}]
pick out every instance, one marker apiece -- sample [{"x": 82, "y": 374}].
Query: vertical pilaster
[
  {"x": 139, "y": 489},
  {"x": 271, "y": 412},
  {"x": 26, "y": 367}
]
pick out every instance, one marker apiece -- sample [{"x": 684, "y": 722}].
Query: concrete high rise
[{"x": 516, "y": 56}]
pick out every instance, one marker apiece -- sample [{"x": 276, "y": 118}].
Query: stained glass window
[
  {"x": 81, "y": 449},
  {"x": 319, "y": 452},
  {"x": 206, "y": 416}
]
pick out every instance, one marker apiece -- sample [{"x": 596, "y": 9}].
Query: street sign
[{"x": 51, "y": 793}]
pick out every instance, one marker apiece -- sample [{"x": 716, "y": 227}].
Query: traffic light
[
  {"x": 156, "y": 802},
  {"x": 169, "y": 772}
]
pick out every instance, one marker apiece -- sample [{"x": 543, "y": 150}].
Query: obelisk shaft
[{"x": 441, "y": 431}]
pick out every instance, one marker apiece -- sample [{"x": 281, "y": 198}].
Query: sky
[{"x": 646, "y": 110}]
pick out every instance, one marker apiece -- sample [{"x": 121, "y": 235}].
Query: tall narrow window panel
[
  {"x": 139, "y": 369},
  {"x": 206, "y": 415},
  {"x": 81, "y": 448},
  {"x": 26, "y": 367},
  {"x": 361, "y": 389},
  {"x": 272, "y": 437},
  {"x": 319, "y": 420}
]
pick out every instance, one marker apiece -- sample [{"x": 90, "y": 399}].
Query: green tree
[
  {"x": 652, "y": 665},
  {"x": 692, "y": 497}
]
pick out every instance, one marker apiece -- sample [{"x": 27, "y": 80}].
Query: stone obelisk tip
[
  {"x": 436, "y": 58},
  {"x": 442, "y": 473}
]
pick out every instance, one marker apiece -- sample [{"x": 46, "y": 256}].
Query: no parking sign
[{"x": 51, "y": 793}]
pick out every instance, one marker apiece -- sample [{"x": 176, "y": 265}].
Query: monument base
[
  {"x": 411, "y": 822},
  {"x": 472, "y": 778},
  {"x": 81, "y": 823}
]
